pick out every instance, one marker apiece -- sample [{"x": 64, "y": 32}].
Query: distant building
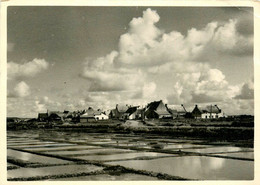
[
  {"x": 112, "y": 114},
  {"x": 209, "y": 112},
  {"x": 134, "y": 113},
  {"x": 157, "y": 109},
  {"x": 55, "y": 116},
  {"x": 120, "y": 112},
  {"x": 43, "y": 117},
  {"x": 91, "y": 115},
  {"x": 99, "y": 115}
]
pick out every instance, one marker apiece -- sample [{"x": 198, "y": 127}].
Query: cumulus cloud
[
  {"x": 28, "y": 69},
  {"x": 145, "y": 51},
  {"x": 247, "y": 91},
  {"x": 20, "y": 90},
  {"x": 45, "y": 103}
]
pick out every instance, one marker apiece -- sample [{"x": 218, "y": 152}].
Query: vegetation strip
[{"x": 38, "y": 178}]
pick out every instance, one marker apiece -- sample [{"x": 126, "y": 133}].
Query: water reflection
[{"x": 196, "y": 167}]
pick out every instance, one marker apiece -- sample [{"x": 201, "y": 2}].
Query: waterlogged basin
[
  {"x": 195, "y": 167},
  {"x": 29, "y": 143},
  {"x": 107, "y": 177},
  {"x": 54, "y": 170},
  {"x": 45, "y": 145},
  {"x": 104, "y": 151},
  {"x": 218, "y": 149},
  {"x": 122, "y": 156},
  {"x": 21, "y": 141},
  {"x": 244, "y": 155},
  {"x": 33, "y": 158},
  {"x": 102, "y": 142},
  {"x": 83, "y": 152},
  {"x": 180, "y": 146},
  {"x": 74, "y": 147}
]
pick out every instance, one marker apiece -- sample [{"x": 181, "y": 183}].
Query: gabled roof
[
  {"x": 131, "y": 110},
  {"x": 207, "y": 109},
  {"x": 211, "y": 109},
  {"x": 154, "y": 105},
  {"x": 91, "y": 113}
]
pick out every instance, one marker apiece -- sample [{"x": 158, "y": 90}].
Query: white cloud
[
  {"x": 21, "y": 90},
  {"x": 183, "y": 60},
  {"x": 28, "y": 69},
  {"x": 246, "y": 92}
]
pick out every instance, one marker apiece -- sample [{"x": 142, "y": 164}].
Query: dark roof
[
  {"x": 196, "y": 110},
  {"x": 207, "y": 109},
  {"x": 154, "y": 105},
  {"x": 131, "y": 110},
  {"x": 211, "y": 109}
]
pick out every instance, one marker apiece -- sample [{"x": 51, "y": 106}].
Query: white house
[
  {"x": 93, "y": 115},
  {"x": 100, "y": 116},
  {"x": 209, "y": 112}
]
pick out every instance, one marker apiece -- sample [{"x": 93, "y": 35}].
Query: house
[
  {"x": 134, "y": 113},
  {"x": 120, "y": 112},
  {"x": 88, "y": 116},
  {"x": 56, "y": 116},
  {"x": 99, "y": 115},
  {"x": 92, "y": 115},
  {"x": 157, "y": 109},
  {"x": 42, "y": 116},
  {"x": 209, "y": 112},
  {"x": 182, "y": 113},
  {"x": 112, "y": 114}
]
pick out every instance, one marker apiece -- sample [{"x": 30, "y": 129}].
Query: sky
[{"x": 72, "y": 58}]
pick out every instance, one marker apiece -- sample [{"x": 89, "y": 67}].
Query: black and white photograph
[{"x": 130, "y": 93}]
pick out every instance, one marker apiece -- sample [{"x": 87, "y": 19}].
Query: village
[{"x": 153, "y": 110}]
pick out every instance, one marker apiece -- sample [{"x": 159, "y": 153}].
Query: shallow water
[
  {"x": 195, "y": 167},
  {"x": 246, "y": 155},
  {"x": 122, "y": 156},
  {"x": 191, "y": 167},
  {"x": 217, "y": 149},
  {"x": 74, "y": 147},
  {"x": 29, "y": 143},
  {"x": 91, "y": 151},
  {"x": 45, "y": 145},
  {"x": 34, "y": 158},
  {"x": 54, "y": 170}
]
